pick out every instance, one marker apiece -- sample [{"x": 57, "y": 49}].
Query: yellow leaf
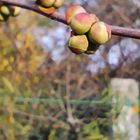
[
  {"x": 25, "y": 129},
  {"x": 8, "y": 85},
  {"x": 136, "y": 109},
  {"x": 5, "y": 63},
  {"x": 11, "y": 59},
  {"x": 10, "y": 119},
  {"x": 10, "y": 134}
]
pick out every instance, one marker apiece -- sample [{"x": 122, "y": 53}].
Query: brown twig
[{"x": 30, "y": 5}]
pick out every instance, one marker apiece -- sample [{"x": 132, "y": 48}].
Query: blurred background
[{"x": 49, "y": 93}]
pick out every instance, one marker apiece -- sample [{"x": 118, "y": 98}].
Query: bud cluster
[
  {"x": 88, "y": 33},
  {"x": 49, "y": 6},
  {"x": 7, "y": 10}
]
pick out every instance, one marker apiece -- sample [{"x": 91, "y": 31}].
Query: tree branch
[{"x": 30, "y": 5}]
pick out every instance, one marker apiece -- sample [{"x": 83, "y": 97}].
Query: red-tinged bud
[
  {"x": 99, "y": 33},
  {"x": 49, "y": 11},
  {"x": 46, "y": 3},
  {"x": 94, "y": 18},
  {"x": 81, "y": 23},
  {"x": 72, "y": 10},
  {"x": 78, "y": 44}
]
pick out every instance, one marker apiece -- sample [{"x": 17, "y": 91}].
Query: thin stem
[{"x": 30, "y": 5}]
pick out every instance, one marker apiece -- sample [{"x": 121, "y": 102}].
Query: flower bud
[
  {"x": 46, "y": 3},
  {"x": 15, "y": 11},
  {"x": 81, "y": 23},
  {"x": 58, "y": 3},
  {"x": 78, "y": 44},
  {"x": 94, "y": 18},
  {"x": 1, "y": 17},
  {"x": 72, "y": 10},
  {"x": 99, "y": 33},
  {"x": 5, "y": 10},
  {"x": 49, "y": 11}
]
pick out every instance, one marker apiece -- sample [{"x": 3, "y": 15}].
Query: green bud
[
  {"x": 15, "y": 11},
  {"x": 5, "y": 10},
  {"x": 81, "y": 23},
  {"x": 72, "y": 10},
  {"x": 78, "y": 44},
  {"x": 46, "y": 3},
  {"x": 1, "y": 17},
  {"x": 100, "y": 33}
]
